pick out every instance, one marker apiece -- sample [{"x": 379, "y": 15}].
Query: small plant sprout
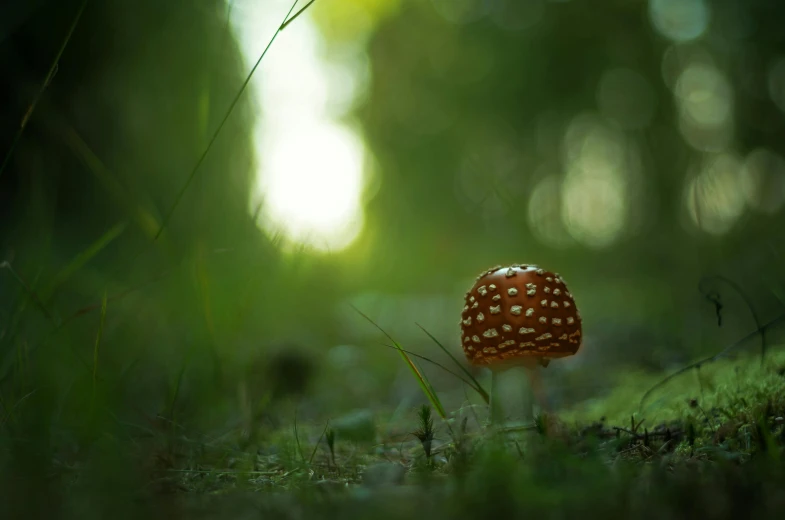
[
  {"x": 519, "y": 316},
  {"x": 329, "y": 437},
  {"x": 425, "y": 433}
]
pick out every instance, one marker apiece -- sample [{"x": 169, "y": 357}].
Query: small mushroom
[{"x": 549, "y": 327}]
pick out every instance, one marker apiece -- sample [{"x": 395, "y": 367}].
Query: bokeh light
[
  {"x": 704, "y": 95},
  {"x": 678, "y": 56},
  {"x": 348, "y": 72},
  {"x": 311, "y": 166},
  {"x": 312, "y": 196},
  {"x": 763, "y": 180},
  {"x": 594, "y": 208},
  {"x": 714, "y": 197},
  {"x": 679, "y": 20},
  {"x": 705, "y": 102},
  {"x": 596, "y": 190}
]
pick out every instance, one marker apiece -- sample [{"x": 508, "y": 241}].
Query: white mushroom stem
[{"x": 528, "y": 380}]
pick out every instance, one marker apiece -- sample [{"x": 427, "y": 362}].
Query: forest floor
[{"x": 709, "y": 444}]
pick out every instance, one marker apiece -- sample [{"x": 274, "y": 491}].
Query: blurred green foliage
[{"x": 636, "y": 147}]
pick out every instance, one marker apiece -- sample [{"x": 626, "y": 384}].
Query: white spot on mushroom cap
[
  {"x": 510, "y": 273},
  {"x": 475, "y": 305},
  {"x": 516, "y": 310},
  {"x": 530, "y": 312},
  {"x": 554, "y": 304},
  {"x": 490, "y": 333},
  {"x": 467, "y": 321},
  {"x": 525, "y": 330},
  {"x": 492, "y": 287},
  {"x": 548, "y": 278},
  {"x": 471, "y": 299},
  {"x": 570, "y": 320},
  {"x": 496, "y": 309},
  {"x": 556, "y": 321},
  {"x": 547, "y": 290},
  {"x": 497, "y": 297},
  {"x": 512, "y": 291},
  {"x": 466, "y": 339},
  {"x": 540, "y": 272},
  {"x": 507, "y": 328},
  {"x": 566, "y": 304},
  {"x": 508, "y": 343},
  {"x": 527, "y": 344},
  {"x": 480, "y": 317},
  {"x": 542, "y": 319},
  {"x": 544, "y": 303},
  {"x": 556, "y": 292},
  {"x": 531, "y": 292},
  {"x": 541, "y": 337},
  {"x": 476, "y": 338},
  {"x": 482, "y": 290},
  {"x": 563, "y": 336},
  {"x": 489, "y": 350}
]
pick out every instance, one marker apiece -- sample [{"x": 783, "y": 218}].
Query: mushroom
[{"x": 519, "y": 316}]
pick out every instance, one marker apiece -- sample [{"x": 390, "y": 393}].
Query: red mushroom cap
[{"x": 519, "y": 315}]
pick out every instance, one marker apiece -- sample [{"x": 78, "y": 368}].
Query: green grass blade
[
  {"x": 229, "y": 111},
  {"x": 421, "y": 379},
  {"x": 316, "y": 446},
  {"x": 465, "y": 381},
  {"x": 29, "y": 291},
  {"x": 44, "y": 85},
  {"x": 475, "y": 384},
  {"x": 431, "y": 390},
  {"x": 298, "y": 13},
  {"x": 10, "y": 412},
  {"x": 297, "y": 438},
  {"x": 82, "y": 258},
  {"x": 143, "y": 213}
]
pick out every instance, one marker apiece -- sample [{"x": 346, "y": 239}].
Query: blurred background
[{"x": 383, "y": 154}]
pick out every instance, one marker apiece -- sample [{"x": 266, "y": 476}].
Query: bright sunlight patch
[{"x": 311, "y": 167}]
